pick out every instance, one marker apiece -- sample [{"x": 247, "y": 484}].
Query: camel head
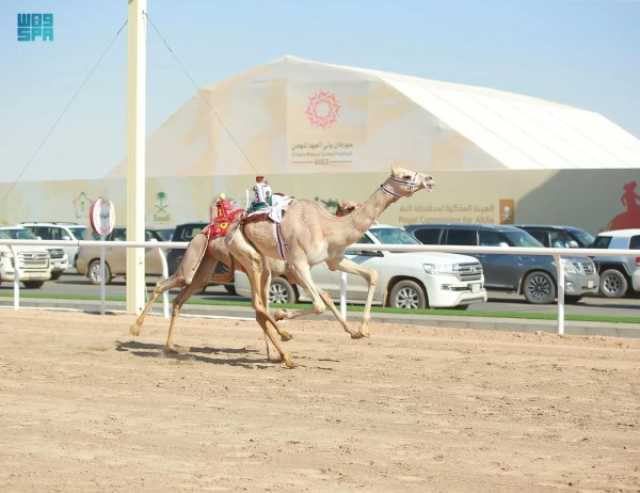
[{"x": 404, "y": 182}]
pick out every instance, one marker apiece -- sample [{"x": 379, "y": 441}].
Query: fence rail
[{"x": 557, "y": 253}]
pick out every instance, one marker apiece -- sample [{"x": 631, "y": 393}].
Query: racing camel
[{"x": 309, "y": 235}]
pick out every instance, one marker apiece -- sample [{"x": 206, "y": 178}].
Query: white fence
[{"x": 557, "y": 253}]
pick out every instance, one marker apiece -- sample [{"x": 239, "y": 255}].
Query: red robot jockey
[{"x": 226, "y": 213}]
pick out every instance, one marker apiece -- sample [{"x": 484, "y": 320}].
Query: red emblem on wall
[
  {"x": 630, "y": 200},
  {"x": 322, "y": 110}
]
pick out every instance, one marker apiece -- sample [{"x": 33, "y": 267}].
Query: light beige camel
[
  {"x": 312, "y": 235},
  {"x": 193, "y": 275}
]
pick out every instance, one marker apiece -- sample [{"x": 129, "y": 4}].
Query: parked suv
[
  {"x": 617, "y": 274},
  {"x": 534, "y": 276},
  {"x": 559, "y": 236},
  {"x": 116, "y": 258},
  {"x": 59, "y": 231},
  {"x": 406, "y": 280},
  {"x": 34, "y": 262}
]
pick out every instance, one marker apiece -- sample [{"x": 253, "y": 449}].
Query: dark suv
[
  {"x": 559, "y": 236},
  {"x": 186, "y": 232},
  {"x": 534, "y": 276}
]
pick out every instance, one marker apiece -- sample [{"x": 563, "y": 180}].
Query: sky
[{"x": 579, "y": 53}]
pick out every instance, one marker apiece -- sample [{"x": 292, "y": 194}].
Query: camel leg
[
  {"x": 264, "y": 289},
  {"x": 161, "y": 287},
  {"x": 302, "y": 272},
  {"x": 266, "y": 322},
  {"x": 371, "y": 278},
  {"x": 200, "y": 280}
]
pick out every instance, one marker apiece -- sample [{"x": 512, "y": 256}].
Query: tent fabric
[{"x": 300, "y": 116}]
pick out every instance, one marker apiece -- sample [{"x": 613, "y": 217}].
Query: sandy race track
[{"x": 86, "y": 407}]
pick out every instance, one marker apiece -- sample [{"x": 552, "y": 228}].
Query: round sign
[{"x": 102, "y": 216}]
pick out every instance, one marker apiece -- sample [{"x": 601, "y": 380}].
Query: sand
[{"x": 84, "y": 406}]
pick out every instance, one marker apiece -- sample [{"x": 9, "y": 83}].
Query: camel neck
[{"x": 364, "y": 216}]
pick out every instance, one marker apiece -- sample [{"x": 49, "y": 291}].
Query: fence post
[
  {"x": 16, "y": 278},
  {"x": 165, "y": 276},
  {"x": 560, "y": 277},
  {"x": 343, "y": 295}
]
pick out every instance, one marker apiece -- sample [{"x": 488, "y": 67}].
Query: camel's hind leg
[{"x": 162, "y": 286}]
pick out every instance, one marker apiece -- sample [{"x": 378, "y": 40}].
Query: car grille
[
  {"x": 471, "y": 271},
  {"x": 587, "y": 267},
  {"x": 56, "y": 253},
  {"x": 33, "y": 260}
]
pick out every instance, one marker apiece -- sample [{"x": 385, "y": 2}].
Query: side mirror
[
  {"x": 573, "y": 244},
  {"x": 504, "y": 244},
  {"x": 65, "y": 237}
]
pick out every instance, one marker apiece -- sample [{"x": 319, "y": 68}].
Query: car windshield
[
  {"x": 78, "y": 231},
  {"x": 601, "y": 242},
  {"x": 583, "y": 238},
  {"x": 17, "y": 234},
  {"x": 165, "y": 234},
  {"x": 521, "y": 239},
  {"x": 393, "y": 236}
]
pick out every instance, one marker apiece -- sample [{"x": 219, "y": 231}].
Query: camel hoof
[
  {"x": 287, "y": 363},
  {"x": 134, "y": 330},
  {"x": 175, "y": 350},
  {"x": 280, "y": 315},
  {"x": 357, "y": 335},
  {"x": 285, "y": 336}
]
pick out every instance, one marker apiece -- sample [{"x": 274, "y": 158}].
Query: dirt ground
[{"x": 86, "y": 407}]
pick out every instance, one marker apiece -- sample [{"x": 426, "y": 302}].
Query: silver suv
[
  {"x": 618, "y": 274},
  {"x": 59, "y": 231}
]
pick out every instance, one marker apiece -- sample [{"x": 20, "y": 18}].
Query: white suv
[
  {"x": 618, "y": 274},
  {"x": 406, "y": 280},
  {"x": 34, "y": 262},
  {"x": 59, "y": 231}
]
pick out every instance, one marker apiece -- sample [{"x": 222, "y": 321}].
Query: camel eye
[{"x": 407, "y": 177}]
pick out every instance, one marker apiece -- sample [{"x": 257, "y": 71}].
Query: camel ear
[{"x": 394, "y": 171}]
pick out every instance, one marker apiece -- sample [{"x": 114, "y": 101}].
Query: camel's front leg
[
  {"x": 264, "y": 291},
  {"x": 321, "y": 300},
  {"x": 371, "y": 278}
]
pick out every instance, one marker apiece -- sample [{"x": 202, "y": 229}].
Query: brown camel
[
  {"x": 311, "y": 235},
  {"x": 193, "y": 275}
]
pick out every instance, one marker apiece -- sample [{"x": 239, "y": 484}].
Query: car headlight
[
  {"x": 569, "y": 266},
  {"x": 439, "y": 268}
]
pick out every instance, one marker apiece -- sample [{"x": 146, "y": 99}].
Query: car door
[
  {"x": 502, "y": 270},
  {"x": 116, "y": 257}
]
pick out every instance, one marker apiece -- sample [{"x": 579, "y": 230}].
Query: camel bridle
[{"x": 411, "y": 184}]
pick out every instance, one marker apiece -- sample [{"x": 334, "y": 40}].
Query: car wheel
[
  {"x": 572, "y": 299},
  {"x": 613, "y": 283},
  {"x": 407, "y": 295},
  {"x": 33, "y": 284},
  {"x": 539, "y": 288},
  {"x": 55, "y": 275},
  {"x": 93, "y": 272},
  {"x": 231, "y": 289},
  {"x": 281, "y": 292}
]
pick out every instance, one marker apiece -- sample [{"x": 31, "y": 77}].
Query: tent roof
[{"x": 520, "y": 132}]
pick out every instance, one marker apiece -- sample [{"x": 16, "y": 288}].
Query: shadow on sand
[{"x": 148, "y": 350}]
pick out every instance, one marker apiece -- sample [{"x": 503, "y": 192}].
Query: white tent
[{"x": 300, "y": 116}]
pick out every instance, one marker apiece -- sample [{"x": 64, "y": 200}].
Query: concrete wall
[{"x": 590, "y": 199}]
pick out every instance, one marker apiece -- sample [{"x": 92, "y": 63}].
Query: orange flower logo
[{"x": 322, "y": 110}]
